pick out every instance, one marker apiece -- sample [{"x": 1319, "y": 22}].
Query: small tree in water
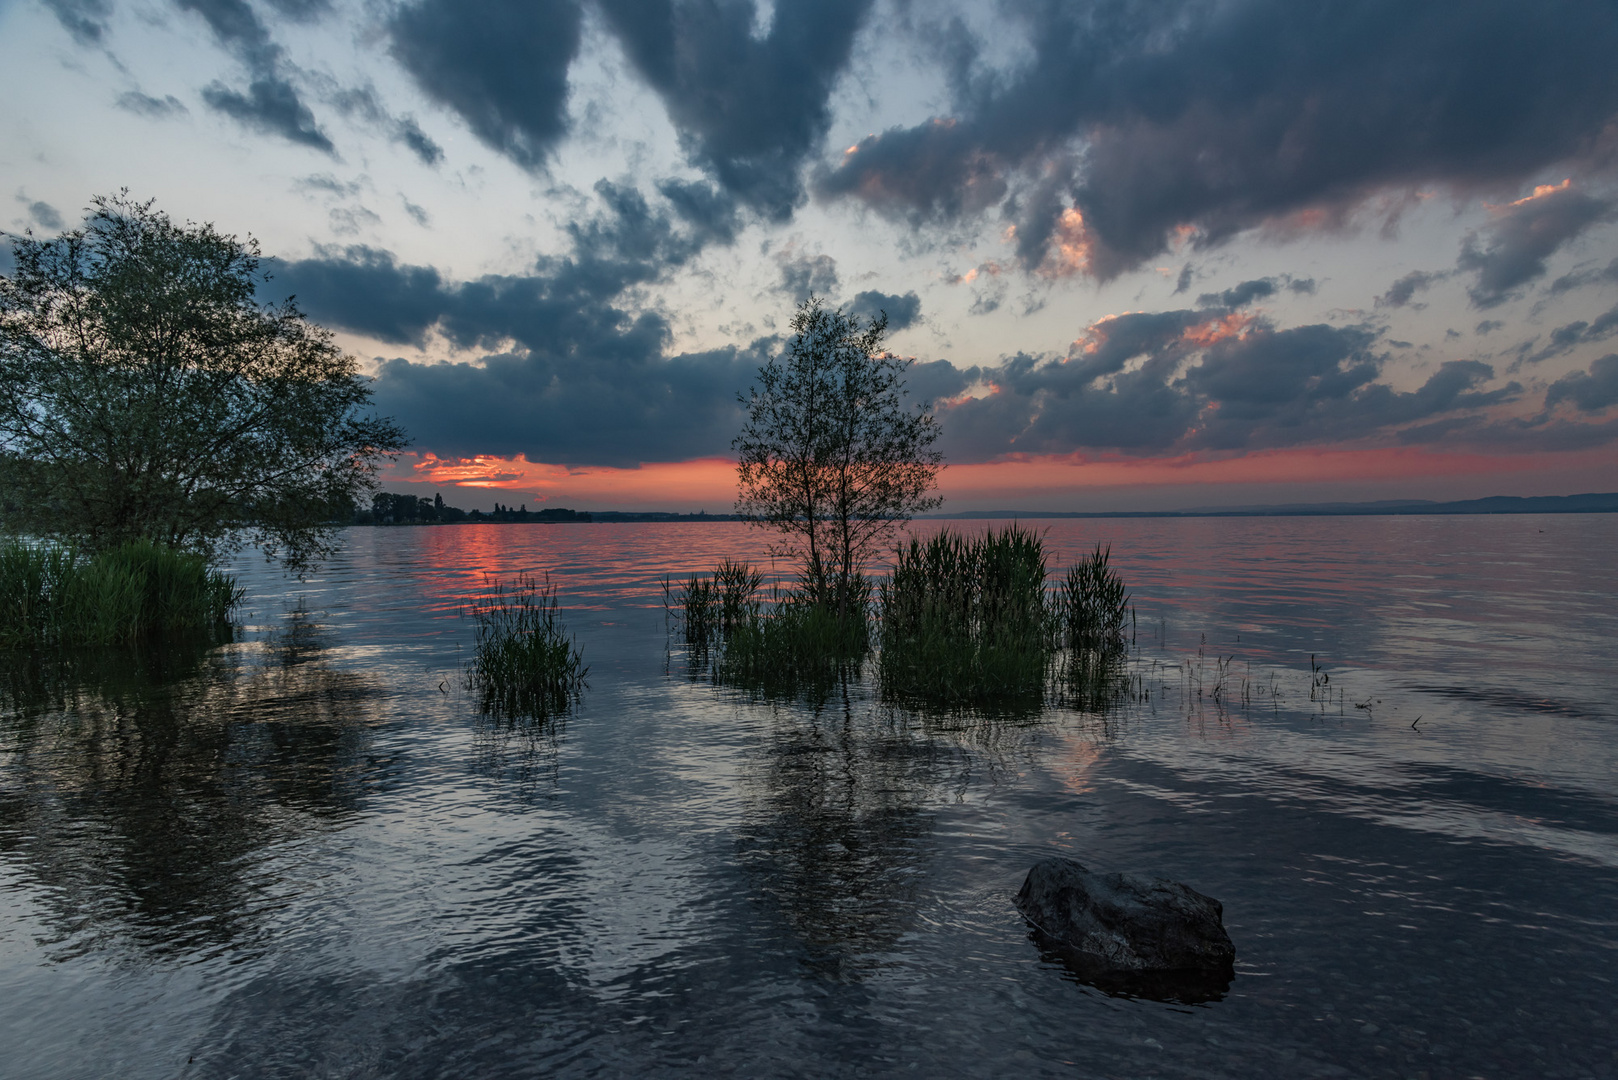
[
  {"x": 832, "y": 457},
  {"x": 145, "y": 393}
]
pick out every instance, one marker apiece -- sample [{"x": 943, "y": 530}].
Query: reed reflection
[
  {"x": 150, "y": 792},
  {"x": 836, "y": 831}
]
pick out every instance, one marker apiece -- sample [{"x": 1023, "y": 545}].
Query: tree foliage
[
  {"x": 833, "y": 457},
  {"x": 145, "y": 392}
]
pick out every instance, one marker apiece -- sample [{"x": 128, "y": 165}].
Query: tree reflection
[
  {"x": 836, "y": 833},
  {"x": 149, "y": 792}
]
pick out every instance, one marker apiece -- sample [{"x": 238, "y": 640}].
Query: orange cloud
[
  {"x": 1207, "y": 333},
  {"x": 1072, "y": 248},
  {"x": 1540, "y": 191}
]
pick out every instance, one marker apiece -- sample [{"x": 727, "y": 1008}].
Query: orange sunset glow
[{"x": 1033, "y": 482}]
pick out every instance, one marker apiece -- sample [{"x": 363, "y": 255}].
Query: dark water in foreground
[{"x": 306, "y": 854}]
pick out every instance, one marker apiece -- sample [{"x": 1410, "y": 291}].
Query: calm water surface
[{"x": 306, "y": 854}]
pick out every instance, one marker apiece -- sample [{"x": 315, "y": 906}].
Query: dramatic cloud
[
  {"x": 1523, "y": 235},
  {"x": 271, "y": 103},
  {"x": 1590, "y": 391},
  {"x": 501, "y": 65},
  {"x": 751, "y": 109},
  {"x": 1132, "y": 122},
  {"x": 570, "y": 375},
  {"x": 1208, "y": 380}
]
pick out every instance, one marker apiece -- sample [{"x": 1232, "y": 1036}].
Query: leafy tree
[
  {"x": 832, "y": 456},
  {"x": 146, "y": 392}
]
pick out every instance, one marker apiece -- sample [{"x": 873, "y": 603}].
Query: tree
[
  {"x": 832, "y": 456},
  {"x": 146, "y": 392}
]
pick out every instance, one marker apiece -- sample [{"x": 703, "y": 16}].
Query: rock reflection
[
  {"x": 148, "y": 792},
  {"x": 1177, "y": 987}
]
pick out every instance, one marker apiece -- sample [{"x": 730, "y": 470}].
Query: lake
[{"x": 1388, "y": 745}]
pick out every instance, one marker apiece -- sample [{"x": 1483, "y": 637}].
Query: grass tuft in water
[
  {"x": 783, "y": 645},
  {"x": 525, "y": 663},
  {"x": 965, "y": 620},
  {"x": 710, "y": 608},
  {"x": 1093, "y": 606},
  {"x": 52, "y": 596}
]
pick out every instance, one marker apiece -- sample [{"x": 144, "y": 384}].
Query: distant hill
[{"x": 1594, "y": 503}]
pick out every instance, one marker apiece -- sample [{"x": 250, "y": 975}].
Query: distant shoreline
[{"x": 1595, "y": 503}]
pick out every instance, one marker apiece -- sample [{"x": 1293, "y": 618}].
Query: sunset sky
[{"x": 1146, "y": 255}]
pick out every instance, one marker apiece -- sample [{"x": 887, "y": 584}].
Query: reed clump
[
  {"x": 958, "y": 621},
  {"x": 781, "y": 644},
  {"x": 1092, "y": 606},
  {"x": 54, "y": 596},
  {"x": 524, "y": 664},
  {"x": 710, "y": 607},
  {"x": 965, "y": 620}
]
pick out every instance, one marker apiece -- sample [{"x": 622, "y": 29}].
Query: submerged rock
[{"x": 1128, "y": 933}]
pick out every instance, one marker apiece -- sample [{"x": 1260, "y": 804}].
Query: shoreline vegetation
[
  {"x": 955, "y": 621},
  {"x": 55, "y": 596},
  {"x": 524, "y": 663}
]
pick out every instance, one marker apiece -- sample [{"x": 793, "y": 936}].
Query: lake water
[{"x": 305, "y": 853}]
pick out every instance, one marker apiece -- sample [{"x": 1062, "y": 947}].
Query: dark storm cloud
[
  {"x": 156, "y": 108},
  {"x": 270, "y": 104},
  {"x": 806, "y": 276},
  {"x": 1523, "y": 236},
  {"x": 709, "y": 210},
  {"x": 902, "y": 311},
  {"x": 750, "y": 110},
  {"x": 571, "y": 373},
  {"x": 1589, "y": 391},
  {"x": 501, "y": 65},
  {"x": 1185, "y": 381},
  {"x": 86, "y": 20},
  {"x": 1226, "y": 116}
]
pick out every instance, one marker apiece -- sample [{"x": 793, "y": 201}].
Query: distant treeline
[{"x": 388, "y": 508}]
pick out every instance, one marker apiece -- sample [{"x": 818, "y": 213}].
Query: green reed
[
  {"x": 525, "y": 664},
  {"x": 709, "y": 608},
  {"x": 53, "y": 596},
  {"x": 966, "y": 620},
  {"x": 783, "y": 644},
  {"x": 1092, "y": 606}
]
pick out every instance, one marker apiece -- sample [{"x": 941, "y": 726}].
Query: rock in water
[{"x": 1130, "y": 933}]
